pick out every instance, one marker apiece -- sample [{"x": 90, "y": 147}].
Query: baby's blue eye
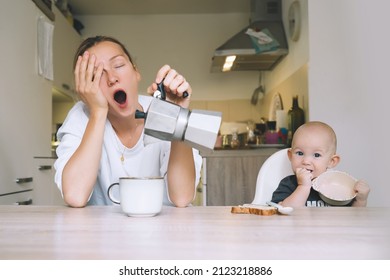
[
  {"x": 299, "y": 153},
  {"x": 317, "y": 155}
]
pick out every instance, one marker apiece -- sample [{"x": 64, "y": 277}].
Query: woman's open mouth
[{"x": 120, "y": 96}]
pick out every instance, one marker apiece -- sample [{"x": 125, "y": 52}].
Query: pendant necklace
[
  {"x": 123, "y": 152},
  {"x": 118, "y": 141}
]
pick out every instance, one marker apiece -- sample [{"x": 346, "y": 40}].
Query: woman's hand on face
[
  {"x": 174, "y": 84},
  {"x": 87, "y": 79}
]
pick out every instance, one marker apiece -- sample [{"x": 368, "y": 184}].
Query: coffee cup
[{"x": 138, "y": 197}]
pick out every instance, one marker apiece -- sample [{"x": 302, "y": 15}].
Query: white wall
[{"x": 348, "y": 84}]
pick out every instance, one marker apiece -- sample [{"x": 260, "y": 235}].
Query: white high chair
[{"x": 274, "y": 169}]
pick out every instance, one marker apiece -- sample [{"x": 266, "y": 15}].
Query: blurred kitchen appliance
[{"x": 239, "y": 53}]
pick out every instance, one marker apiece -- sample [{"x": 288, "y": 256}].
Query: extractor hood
[{"x": 266, "y": 15}]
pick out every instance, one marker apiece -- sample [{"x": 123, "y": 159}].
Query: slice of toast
[{"x": 255, "y": 209}]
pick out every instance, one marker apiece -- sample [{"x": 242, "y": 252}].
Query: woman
[{"x": 101, "y": 140}]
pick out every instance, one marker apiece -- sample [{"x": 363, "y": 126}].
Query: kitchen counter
[
  {"x": 244, "y": 151},
  {"x": 104, "y": 232}
]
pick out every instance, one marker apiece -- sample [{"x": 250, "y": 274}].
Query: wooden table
[{"x": 94, "y": 232}]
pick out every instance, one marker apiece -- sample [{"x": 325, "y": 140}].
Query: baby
[{"x": 312, "y": 152}]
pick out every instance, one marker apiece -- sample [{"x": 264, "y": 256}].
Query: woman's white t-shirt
[{"x": 139, "y": 161}]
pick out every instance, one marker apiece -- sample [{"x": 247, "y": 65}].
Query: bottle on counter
[
  {"x": 296, "y": 117},
  {"x": 251, "y": 137},
  {"x": 235, "y": 142},
  {"x": 225, "y": 141},
  {"x": 271, "y": 135},
  {"x": 260, "y": 130}
]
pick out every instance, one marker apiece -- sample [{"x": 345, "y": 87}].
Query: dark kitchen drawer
[{"x": 20, "y": 198}]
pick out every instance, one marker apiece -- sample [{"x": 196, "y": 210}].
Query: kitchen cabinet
[
  {"x": 25, "y": 101},
  {"x": 22, "y": 198},
  {"x": 45, "y": 190},
  {"x": 229, "y": 176},
  {"x": 65, "y": 43}
]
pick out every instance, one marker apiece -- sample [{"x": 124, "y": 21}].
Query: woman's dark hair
[{"x": 92, "y": 41}]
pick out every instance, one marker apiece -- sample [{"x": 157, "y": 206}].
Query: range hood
[{"x": 265, "y": 15}]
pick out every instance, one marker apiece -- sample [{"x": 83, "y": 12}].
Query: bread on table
[{"x": 263, "y": 210}]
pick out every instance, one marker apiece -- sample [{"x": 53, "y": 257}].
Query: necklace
[
  {"x": 123, "y": 153},
  {"x": 119, "y": 143}
]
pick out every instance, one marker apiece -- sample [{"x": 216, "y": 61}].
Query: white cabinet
[
  {"x": 65, "y": 43},
  {"x": 45, "y": 190},
  {"x": 25, "y": 99}
]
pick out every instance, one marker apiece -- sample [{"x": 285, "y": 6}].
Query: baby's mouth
[{"x": 120, "y": 96}]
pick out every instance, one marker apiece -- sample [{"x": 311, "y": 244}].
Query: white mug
[{"x": 139, "y": 197}]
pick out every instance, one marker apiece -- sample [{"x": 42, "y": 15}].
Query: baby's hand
[
  {"x": 304, "y": 176},
  {"x": 362, "y": 190}
]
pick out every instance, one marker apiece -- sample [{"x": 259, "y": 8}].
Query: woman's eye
[{"x": 119, "y": 65}]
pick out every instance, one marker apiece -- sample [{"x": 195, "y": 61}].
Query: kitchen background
[
  {"x": 337, "y": 67},
  {"x": 187, "y": 42}
]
